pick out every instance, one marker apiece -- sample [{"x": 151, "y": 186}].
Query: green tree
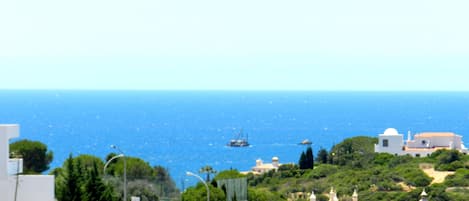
[
  {"x": 322, "y": 156},
  {"x": 302, "y": 161},
  {"x": 448, "y": 160},
  {"x": 164, "y": 181},
  {"x": 68, "y": 186},
  {"x": 143, "y": 180},
  {"x": 89, "y": 161},
  {"x": 356, "y": 152},
  {"x": 307, "y": 159},
  {"x": 263, "y": 195},
  {"x": 229, "y": 174},
  {"x": 36, "y": 157},
  {"x": 79, "y": 180},
  {"x": 94, "y": 188},
  {"x": 199, "y": 193},
  {"x": 144, "y": 189},
  {"x": 136, "y": 168}
]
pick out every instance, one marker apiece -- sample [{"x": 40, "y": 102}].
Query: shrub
[{"x": 323, "y": 170}]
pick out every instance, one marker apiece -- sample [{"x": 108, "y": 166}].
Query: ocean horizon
[{"x": 185, "y": 130}]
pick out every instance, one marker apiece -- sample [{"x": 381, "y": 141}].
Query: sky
[{"x": 360, "y": 45}]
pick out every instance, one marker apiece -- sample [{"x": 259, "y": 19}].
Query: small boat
[
  {"x": 239, "y": 141},
  {"x": 305, "y": 142}
]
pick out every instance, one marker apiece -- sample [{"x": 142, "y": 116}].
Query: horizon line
[{"x": 248, "y": 90}]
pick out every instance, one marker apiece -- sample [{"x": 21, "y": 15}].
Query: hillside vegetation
[{"x": 352, "y": 164}]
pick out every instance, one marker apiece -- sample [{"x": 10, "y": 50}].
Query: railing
[{"x": 15, "y": 166}]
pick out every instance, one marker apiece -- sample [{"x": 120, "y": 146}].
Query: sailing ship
[{"x": 239, "y": 141}]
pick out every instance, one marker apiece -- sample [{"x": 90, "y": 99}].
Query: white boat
[{"x": 305, "y": 142}]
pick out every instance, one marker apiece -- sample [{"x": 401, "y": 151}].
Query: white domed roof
[
  {"x": 391, "y": 131},
  {"x": 423, "y": 193},
  {"x": 312, "y": 196},
  {"x": 275, "y": 158}
]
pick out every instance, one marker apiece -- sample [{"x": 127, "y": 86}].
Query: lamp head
[
  {"x": 189, "y": 173},
  {"x": 113, "y": 146}
]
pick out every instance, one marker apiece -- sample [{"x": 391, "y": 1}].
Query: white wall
[
  {"x": 32, "y": 188},
  {"x": 6, "y": 133},
  {"x": 24, "y": 187},
  {"x": 395, "y": 144}
]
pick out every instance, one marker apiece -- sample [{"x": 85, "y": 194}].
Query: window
[{"x": 385, "y": 143}]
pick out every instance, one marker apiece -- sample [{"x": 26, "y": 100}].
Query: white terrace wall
[{"x": 20, "y": 187}]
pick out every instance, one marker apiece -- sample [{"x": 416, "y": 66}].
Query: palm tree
[{"x": 207, "y": 170}]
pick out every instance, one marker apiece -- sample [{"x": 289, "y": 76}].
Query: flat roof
[
  {"x": 265, "y": 166},
  {"x": 436, "y": 134}
]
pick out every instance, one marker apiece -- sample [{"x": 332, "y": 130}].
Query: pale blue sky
[{"x": 235, "y": 45}]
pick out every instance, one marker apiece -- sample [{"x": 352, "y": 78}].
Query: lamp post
[
  {"x": 125, "y": 168},
  {"x": 109, "y": 161},
  {"x": 202, "y": 180}
]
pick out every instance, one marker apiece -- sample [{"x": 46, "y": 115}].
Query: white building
[
  {"x": 15, "y": 187},
  {"x": 312, "y": 197},
  {"x": 333, "y": 195},
  {"x": 423, "y": 196},
  {"x": 262, "y": 167},
  {"x": 423, "y": 144}
]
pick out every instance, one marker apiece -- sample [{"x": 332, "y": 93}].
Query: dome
[
  {"x": 423, "y": 193},
  {"x": 275, "y": 158},
  {"x": 258, "y": 162},
  {"x": 391, "y": 131},
  {"x": 312, "y": 196}
]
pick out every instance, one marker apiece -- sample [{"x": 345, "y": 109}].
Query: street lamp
[
  {"x": 109, "y": 161},
  {"x": 125, "y": 168},
  {"x": 202, "y": 180}
]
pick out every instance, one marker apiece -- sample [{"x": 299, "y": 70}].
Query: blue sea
[{"x": 185, "y": 130}]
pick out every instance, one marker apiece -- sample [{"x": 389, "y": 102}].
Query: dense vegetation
[
  {"x": 351, "y": 164},
  {"x": 78, "y": 180},
  {"x": 82, "y": 179}
]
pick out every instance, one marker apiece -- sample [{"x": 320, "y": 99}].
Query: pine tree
[
  {"x": 322, "y": 156},
  {"x": 35, "y": 155},
  {"x": 79, "y": 171},
  {"x": 70, "y": 188},
  {"x": 309, "y": 158},
  {"x": 302, "y": 161},
  {"x": 95, "y": 189}
]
